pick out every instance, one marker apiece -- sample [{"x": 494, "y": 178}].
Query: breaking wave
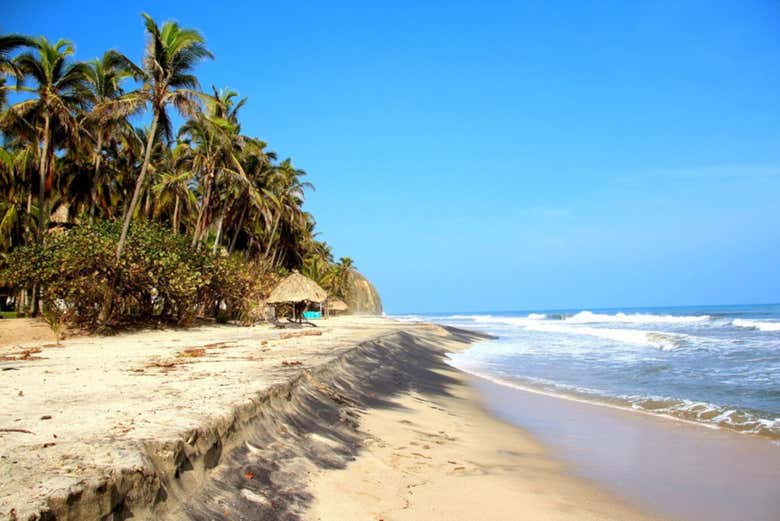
[
  {"x": 583, "y": 317},
  {"x": 717, "y": 366},
  {"x": 703, "y": 413},
  {"x": 658, "y": 339},
  {"x": 588, "y": 317},
  {"x": 759, "y": 325},
  {"x": 736, "y": 419}
]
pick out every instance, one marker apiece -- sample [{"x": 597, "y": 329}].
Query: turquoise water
[{"x": 714, "y": 365}]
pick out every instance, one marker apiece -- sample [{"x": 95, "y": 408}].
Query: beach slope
[{"x": 360, "y": 418}]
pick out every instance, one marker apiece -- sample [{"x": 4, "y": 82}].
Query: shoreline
[
  {"x": 229, "y": 430},
  {"x": 446, "y": 456},
  {"x": 590, "y": 401},
  {"x": 676, "y": 469}
]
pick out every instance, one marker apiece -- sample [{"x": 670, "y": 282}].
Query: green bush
[
  {"x": 235, "y": 288},
  {"x": 160, "y": 277}
]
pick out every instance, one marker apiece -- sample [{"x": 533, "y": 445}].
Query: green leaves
[{"x": 159, "y": 279}]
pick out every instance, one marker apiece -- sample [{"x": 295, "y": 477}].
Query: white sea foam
[
  {"x": 556, "y": 347},
  {"x": 664, "y": 341},
  {"x": 588, "y": 317},
  {"x": 760, "y": 325},
  {"x": 493, "y": 320},
  {"x": 583, "y": 317},
  {"x": 407, "y": 318},
  {"x": 701, "y": 413},
  {"x": 697, "y": 412},
  {"x": 475, "y": 318}
]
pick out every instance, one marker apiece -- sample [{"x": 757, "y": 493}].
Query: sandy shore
[
  {"x": 439, "y": 456},
  {"x": 360, "y": 420}
]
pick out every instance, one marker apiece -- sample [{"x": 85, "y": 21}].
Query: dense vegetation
[{"x": 104, "y": 223}]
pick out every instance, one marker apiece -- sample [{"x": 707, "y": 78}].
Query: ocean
[{"x": 714, "y": 365}]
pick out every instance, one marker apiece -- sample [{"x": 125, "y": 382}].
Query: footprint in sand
[{"x": 421, "y": 455}]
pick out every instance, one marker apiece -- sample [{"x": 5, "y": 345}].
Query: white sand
[{"x": 105, "y": 395}]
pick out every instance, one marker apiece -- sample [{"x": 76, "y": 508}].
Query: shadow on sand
[{"x": 256, "y": 464}]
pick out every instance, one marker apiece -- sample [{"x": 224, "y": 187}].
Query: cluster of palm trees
[{"x": 71, "y": 154}]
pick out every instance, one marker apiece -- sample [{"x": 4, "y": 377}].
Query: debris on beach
[
  {"x": 313, "y": 332},
  {"x": 25, "y": 354},
  {"x": 193, "y": 352},
  {"x": 23, "y": 431}
]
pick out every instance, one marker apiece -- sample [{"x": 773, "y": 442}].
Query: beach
[
  {"x": 441, "y": 456},
  {"x": 359, "y": 418},
  {"x": 408, "y": 262}
]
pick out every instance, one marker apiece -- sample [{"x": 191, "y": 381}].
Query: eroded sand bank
[{"x": 362, "y": 421}]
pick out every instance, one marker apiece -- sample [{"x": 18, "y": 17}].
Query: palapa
[
  {"x": 297, "y": 288},
  {"x": 336, "y": 305}
]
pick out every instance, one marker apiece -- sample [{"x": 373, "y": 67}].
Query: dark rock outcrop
[{"x": 362, "y": 296}]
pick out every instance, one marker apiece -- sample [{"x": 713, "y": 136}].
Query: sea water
[{"x": 714, "y": 365}]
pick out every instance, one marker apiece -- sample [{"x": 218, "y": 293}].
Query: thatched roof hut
[
  {"x": 336, "y": 304},
  {"x": 297, "y": 288}
]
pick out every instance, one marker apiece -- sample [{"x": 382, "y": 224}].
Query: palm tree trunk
[
  {"x": 27, "y": 228},
  {"x": 279, "y": 256},
  {"x": 202, "y": 212},
  {"x": 42, "y": 201},
  {"x": 138, "y": 186},
  {"x": 19, "y": 304},
  {"x": 204, "y": 226},
  {"x": 220, "y": 220},
  {"x": 42, "y": 180},
  {"x": 238, "y": 230},
  {"x": 148, "y": 205},
  {"x": 271, "y": 238},
  {"x": 176, "y": 216},
  {"x": 93, "y": 190}
]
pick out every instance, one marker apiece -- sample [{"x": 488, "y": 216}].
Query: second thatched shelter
[
  {"x": 335, "y": 306},
  {"x": 299, "y": 291}
]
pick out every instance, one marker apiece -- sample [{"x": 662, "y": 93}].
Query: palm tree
[
  {"x": 15, "y": 166},
  {"x": 104, "y": 79},
  {"x": 318, "y": 270},
  {"x": 215, "y": 144},
  {"x": 290, "y": 222},
  {"x": 341, "y": 273},
  {"x": 9, "y": 43},
  {"x": 233, "y": 183},
  {"x": 59, "y": 90},
  {"x": 253, "y": 202},
  {"x": 173, "y": 188},
  {"x": 171, "y": 54}
]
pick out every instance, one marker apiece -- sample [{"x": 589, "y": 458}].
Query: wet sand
[
  {"x": 674, "y": 469},
  {"x": 435, "y": 454}
]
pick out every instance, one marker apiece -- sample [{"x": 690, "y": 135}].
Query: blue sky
[{"x": 494, "y": 156}]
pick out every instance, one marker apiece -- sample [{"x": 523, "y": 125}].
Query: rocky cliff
[{"x": 362, "y": 296}]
